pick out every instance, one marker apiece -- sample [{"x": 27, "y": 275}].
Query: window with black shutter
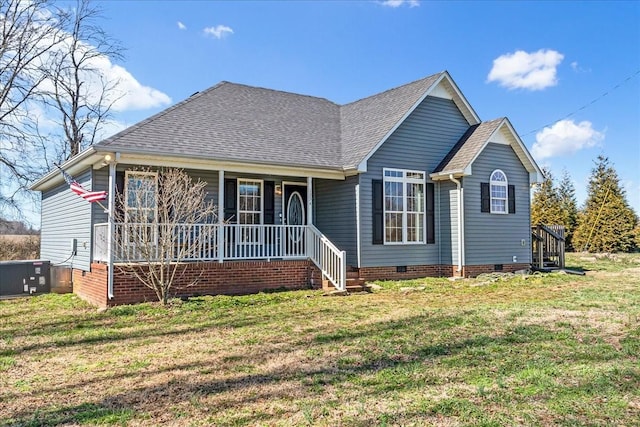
[
  {"x": 431, "y": 217},
  {"x": 497, "y": 196},
  {"x": 230, "y": 205},
  {"x": 378, "y": 212}
]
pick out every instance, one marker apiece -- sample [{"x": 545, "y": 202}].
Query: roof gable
[
  {"x": 366, "y": 124},
  {"x": 459, "y": 160}
]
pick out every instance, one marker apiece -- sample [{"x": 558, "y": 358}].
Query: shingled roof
[
  {"x": 468, "y": 147},
  {"x": 236, "y": 122},
  {"x": 231, "y": 121}
]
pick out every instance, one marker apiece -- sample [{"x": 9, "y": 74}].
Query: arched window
[{"x": 499, "y": 193}]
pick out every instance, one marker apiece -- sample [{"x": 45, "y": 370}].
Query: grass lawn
[{"x": 540, "y": 350}]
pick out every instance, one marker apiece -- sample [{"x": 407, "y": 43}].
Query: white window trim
[
  {"x": 127, "y": 174},
  {"x": 261, "y": 181},
  {"x": 506, "y": 192},
  {"x": 404, "y": 180}
]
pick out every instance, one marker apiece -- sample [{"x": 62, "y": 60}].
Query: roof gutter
[{"x": 441, "y": 176}]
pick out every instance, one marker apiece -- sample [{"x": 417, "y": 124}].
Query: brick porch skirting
[{"x": 200, "y": 278}]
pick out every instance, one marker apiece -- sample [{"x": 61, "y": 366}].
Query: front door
[{"x": 295, "y": 218}]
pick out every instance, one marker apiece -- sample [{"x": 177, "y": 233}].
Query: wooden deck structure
[{"x": 548, "y": 247}]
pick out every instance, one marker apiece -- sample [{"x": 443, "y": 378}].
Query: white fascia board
[
  {"x": 471, "y": 114},
  {"x": 157, "y": 160},
  {"x": 72, "y": 166},
  {"x": 533, "y": 167},
  {"x": 475, "y": 119}
]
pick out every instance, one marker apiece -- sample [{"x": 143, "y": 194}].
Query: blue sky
[{"x": 534, "y": 62}]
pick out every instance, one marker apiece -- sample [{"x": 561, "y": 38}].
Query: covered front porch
[{"x": 221, "y": 243}]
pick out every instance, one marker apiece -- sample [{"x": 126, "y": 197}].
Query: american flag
[{"x": 89, "y": 196}]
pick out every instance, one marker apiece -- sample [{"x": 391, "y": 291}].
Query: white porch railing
[{"x": 239, "y": 242}]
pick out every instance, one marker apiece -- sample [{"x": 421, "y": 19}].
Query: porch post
[
  {"x": 220, "y": 216},
  {"x": 111, "y": 227},
  {"x": 309, "y": 200}
]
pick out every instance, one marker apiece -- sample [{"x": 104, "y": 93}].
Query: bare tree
[
  {"x": 165, "y": 220},
  {"x": 30, "y": 32},
  {"x": 79, "y": 93}
]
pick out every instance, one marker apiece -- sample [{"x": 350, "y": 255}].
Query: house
[{"x": 406, "y": 183}]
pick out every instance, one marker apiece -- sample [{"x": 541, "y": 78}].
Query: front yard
[{"x": 540, "y": 350}]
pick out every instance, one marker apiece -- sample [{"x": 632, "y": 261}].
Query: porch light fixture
[
  {"x": 108, "y": 159},
  {"x": 278, "y": 189}
]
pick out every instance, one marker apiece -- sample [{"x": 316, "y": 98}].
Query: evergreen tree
[
  {"x": 569, "y": 207},
  {"x": 545, "y": 208},
  {"x": 607, "y": 221}
]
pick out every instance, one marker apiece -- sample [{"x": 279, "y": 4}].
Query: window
[
  {"x": 140, "y": 196},
  {"x": 404, "y": 206},
  {"x": 498, "y": 191},
  {"x": 249, "y": 201}
]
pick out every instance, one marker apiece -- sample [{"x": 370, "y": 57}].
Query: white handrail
[{"x": 331, "y": 261}]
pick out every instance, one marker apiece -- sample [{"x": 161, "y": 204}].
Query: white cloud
[
  {"x": 219, "y": 31},
  {"x": 127, "y": 93},
  {"x": 565, "y": 137},
  {"x": 398, "y": 3},
  {"x": 181, "y": 26},
  {"x": 578, "y": 69},
  {"x": 522, "y": 70}
]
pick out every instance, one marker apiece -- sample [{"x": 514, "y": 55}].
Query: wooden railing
[
  {"x": 548, "y": 246},
  {"x": 203, "y": 242}
]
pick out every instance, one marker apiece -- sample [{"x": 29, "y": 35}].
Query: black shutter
[
  {"x": 512, "y": 199},
  {"x": 485, "y": 198},
  {"x": 431, "y": 217},
  {"x": 378, "y": 212},
  {"x": 230, "y": 208},
  {"x": 269, "y": 205},
  {"x": 119, "y": 196}
]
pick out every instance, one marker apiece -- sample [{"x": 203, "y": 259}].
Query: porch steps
[{"x": 354, "y": 282}]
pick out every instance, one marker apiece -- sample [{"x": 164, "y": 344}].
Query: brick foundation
[
  {"x": 417, "y": 271},
  {"x": 204, "y": 278},
  {"x": 91, "y": 286},
  {"x": 413, "y": 272}
]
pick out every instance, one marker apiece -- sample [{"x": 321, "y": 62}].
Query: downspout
[
  {"x": 460, "y": 222},
  {"x": 358, "y": 223}
]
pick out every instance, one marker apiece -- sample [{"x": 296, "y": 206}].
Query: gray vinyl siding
[
  {"x": 335, "y": 213},
  {"x": 419, "y": 143},
  {"x": 100, "y": 183},
  {"x": 66, "y": 216},
  {"x": 496, "y": 238}
]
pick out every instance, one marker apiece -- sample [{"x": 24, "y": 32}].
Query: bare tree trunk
[{"x": 81, "y": 96}]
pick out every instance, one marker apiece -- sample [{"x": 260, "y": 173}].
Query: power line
[{"x": 619, "y": 85}]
